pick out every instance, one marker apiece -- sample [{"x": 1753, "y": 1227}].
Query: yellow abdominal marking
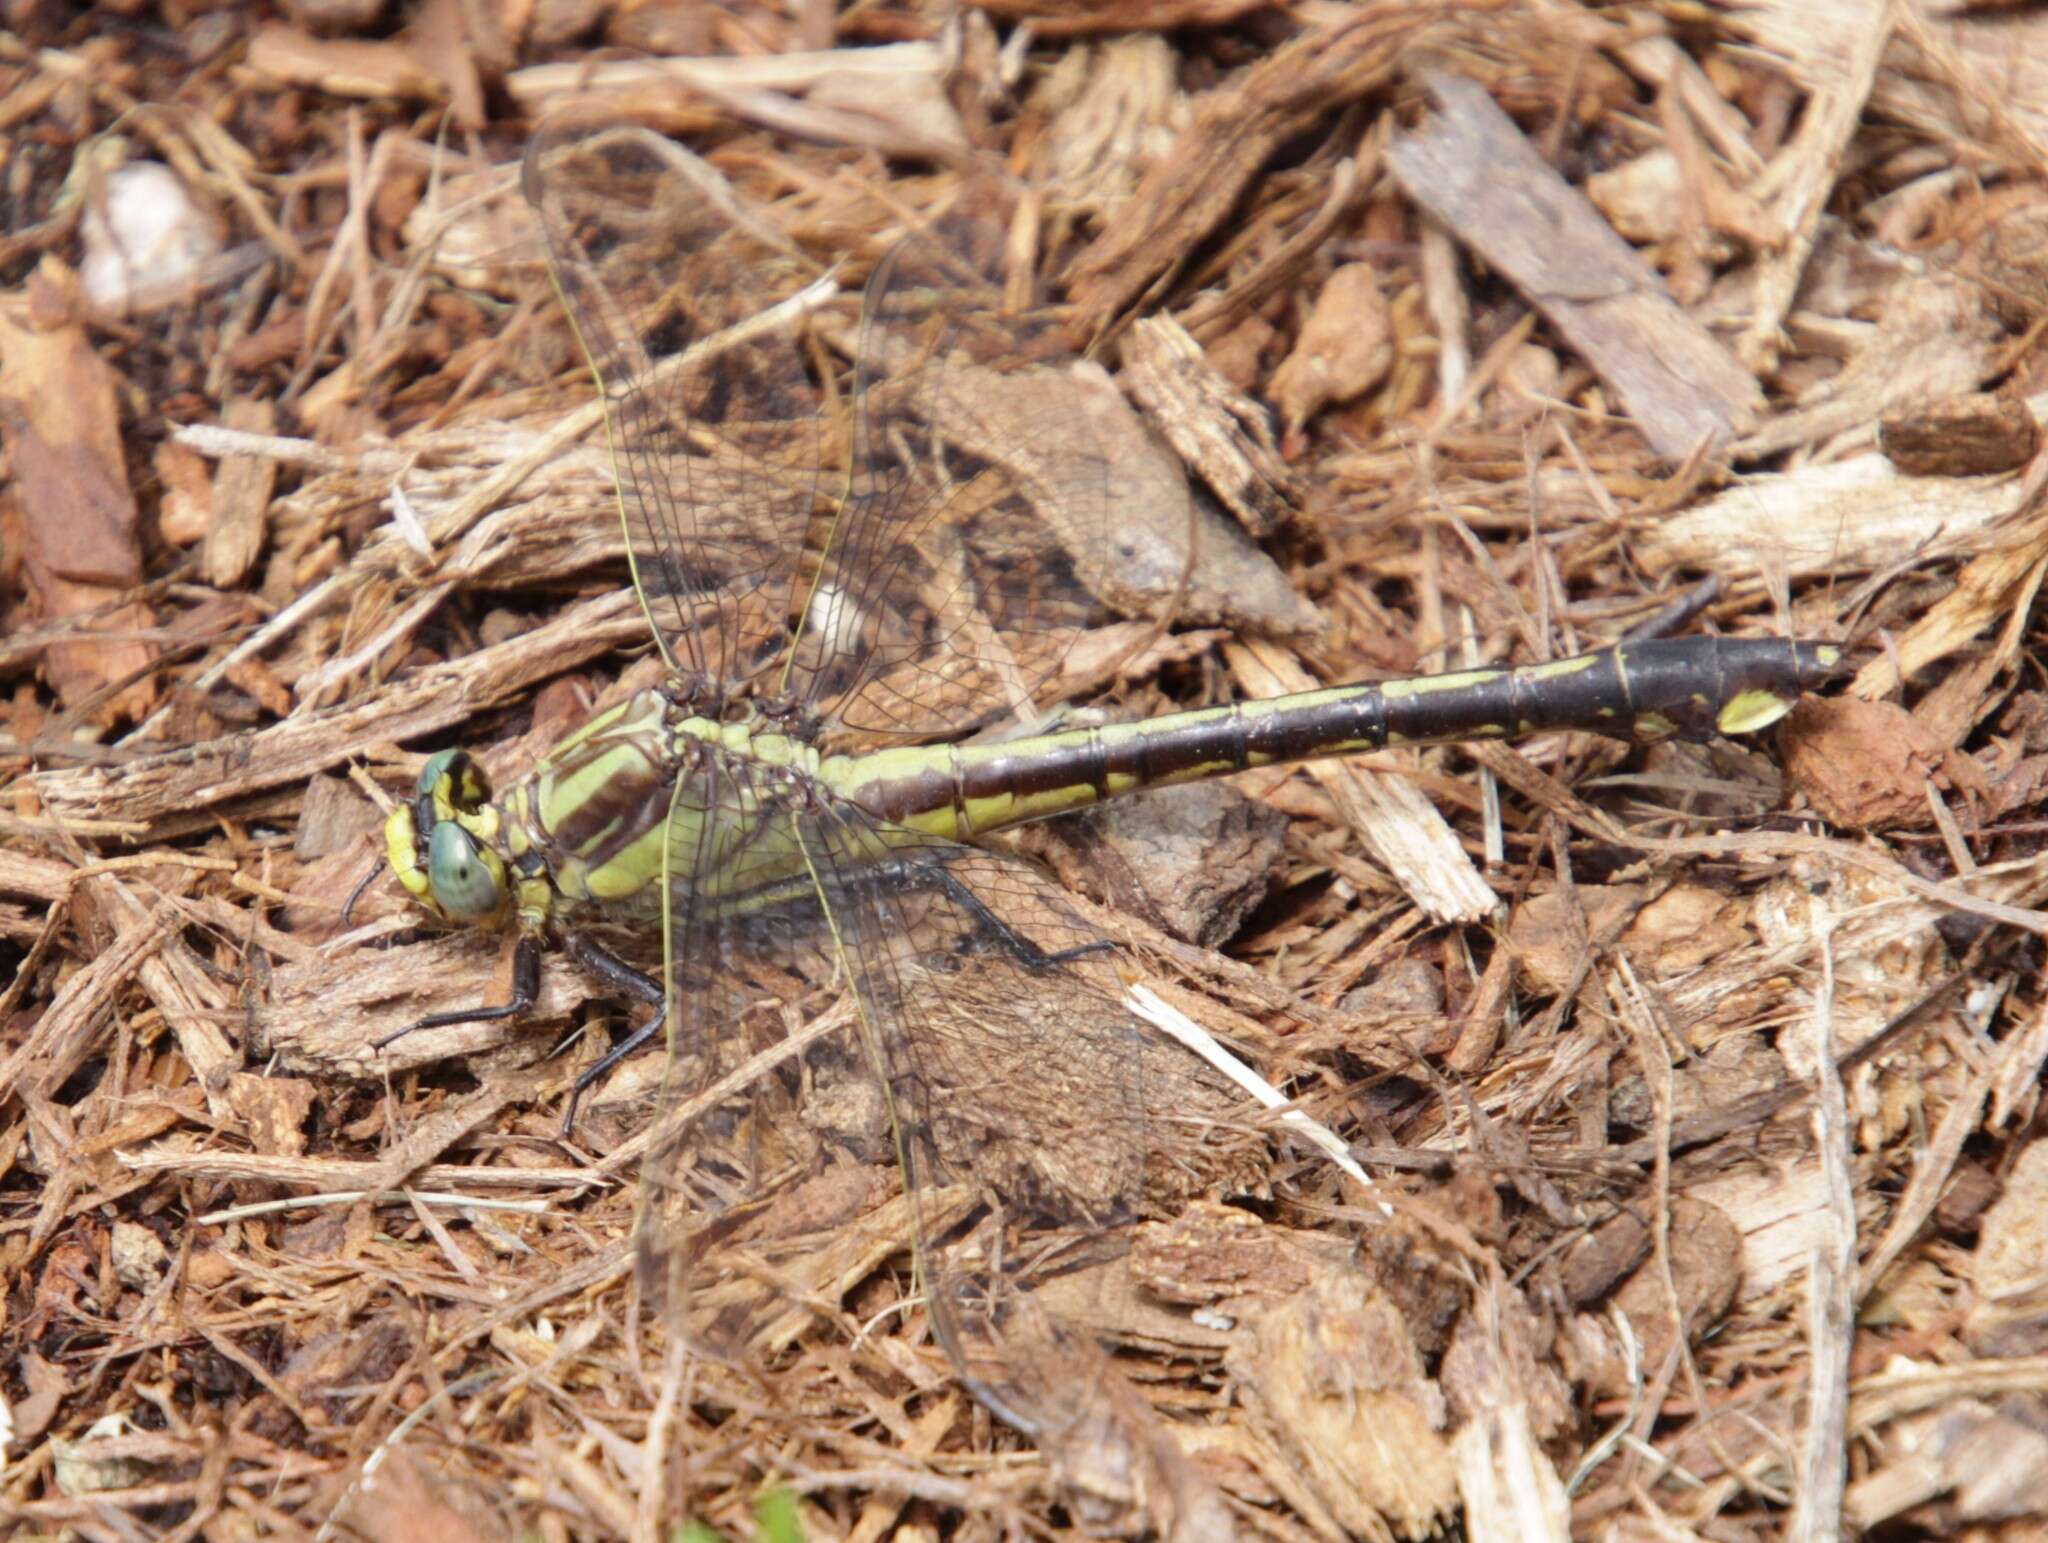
[
  {"x": 1654, "y": 726},
  {"x": 1750, "y": 711},
  {"x": 1424, "y": 685}
]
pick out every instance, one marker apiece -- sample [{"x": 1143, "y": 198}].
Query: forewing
[
  {"x": 964, "y": 556},
  {"x": 673, "y": 288},
  {"x": 922, "y": 571}
]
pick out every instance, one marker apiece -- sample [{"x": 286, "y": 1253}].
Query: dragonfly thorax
[{"x": 590, "y": 824}]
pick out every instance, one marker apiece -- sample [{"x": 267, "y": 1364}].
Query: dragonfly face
[{"x": 459, "y": 876}]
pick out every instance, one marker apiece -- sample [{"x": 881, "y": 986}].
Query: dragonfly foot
[
  {"x": 525, "y": 990},
  {"x": 622, "y": 977}
]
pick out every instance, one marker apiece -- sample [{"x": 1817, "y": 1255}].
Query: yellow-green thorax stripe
[
  {"x": 597, "y": 811},
  {"x": 724, "y": 799},
  {"x": 594, "y": 810}
]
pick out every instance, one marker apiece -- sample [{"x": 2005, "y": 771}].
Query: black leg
[
  {"x": 348, "y": 910},
  {"x": 622, "y": 977},
  {"x": 525, "y": 989},
  {"x": 1019, "y": 947}
]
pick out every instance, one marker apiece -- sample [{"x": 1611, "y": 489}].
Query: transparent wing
[
  {"x": 1017, "y": 1090},
  {"x": 724, "y": 1247},
  {"x": 905, "y": 544},
  {"x": 977, "y": 1054},
  {"x": 681, "y": 301},
  {"x": 966, "y": 555}
]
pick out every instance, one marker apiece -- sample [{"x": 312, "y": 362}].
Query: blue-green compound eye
[
  {"x": 463, "y": 882},
  {"x": 465, "y": 788},
  {"x": 436, "y": 768}
]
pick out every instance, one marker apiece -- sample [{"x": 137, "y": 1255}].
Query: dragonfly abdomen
[
  {"x": 1661, "y": 688},
  {"x": 1689, "y": 688}
]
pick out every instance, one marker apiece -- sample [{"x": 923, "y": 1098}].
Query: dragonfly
[{"x": 863, "y": 547}]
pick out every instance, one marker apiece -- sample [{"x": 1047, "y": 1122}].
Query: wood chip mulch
[{"x": 1689, "y": 1177}]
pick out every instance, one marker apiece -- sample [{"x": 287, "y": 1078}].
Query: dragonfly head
[{"x": 458, "y": 874}]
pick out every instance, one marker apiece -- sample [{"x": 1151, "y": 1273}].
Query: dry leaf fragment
[
  {"x": 1345, "y": 349},
  {"x": 187, "y": 505},
  {"x": 241, "y": 500},
  {"x": 63, "y": 433},
  {"x": 1965, "y": 436},
  {"x": 1867, "y": 765},
  {"x": 358, "y": 67},
  {"x": 2010, "y": 1316}
]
